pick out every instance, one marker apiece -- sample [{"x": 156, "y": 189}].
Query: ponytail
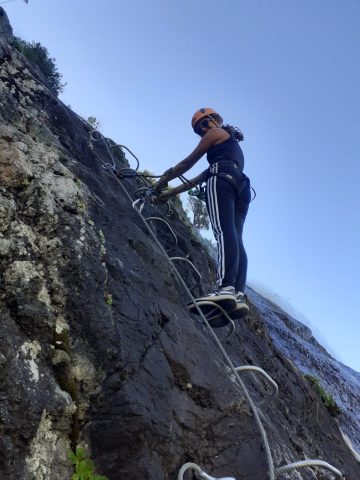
[{"x": 236, "y": 132}]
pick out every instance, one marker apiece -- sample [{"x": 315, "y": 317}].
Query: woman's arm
[
  {"x": 190, "y": 183},
  {"x": 208, "y": 140},
  {"x": 166, "y": 194}
]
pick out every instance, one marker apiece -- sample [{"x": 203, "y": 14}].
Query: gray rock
[
  {"x": 6, "y": 32},
  {"x": 97, "y": 346}
]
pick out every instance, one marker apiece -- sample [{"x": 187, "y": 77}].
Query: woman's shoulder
[
  {"x": 220, "y": 135},
  {"x": 213, "y": 137}
]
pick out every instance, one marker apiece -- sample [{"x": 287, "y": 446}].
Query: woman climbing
[{"x": 227, "y": 199}]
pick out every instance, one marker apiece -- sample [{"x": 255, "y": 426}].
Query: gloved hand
[
  {"x": 162, "y": 197},
  {"x": 159, "y": 187},
  {"x": 163, "y": 182}
]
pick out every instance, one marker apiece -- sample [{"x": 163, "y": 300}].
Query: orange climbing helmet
[{"x": 203, "y": 112}]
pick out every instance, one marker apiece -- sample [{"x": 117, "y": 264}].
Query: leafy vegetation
[
  {"x": 84, "y": 467},
  {"x": 108, "y": 299},
  {"x": 326, "y": 397},
  {"x": 94, "y": 122},
  {"x": 39, "y": 55},
  {"x": 199, "y": 212},
  {"x": 148, "y": 177}
]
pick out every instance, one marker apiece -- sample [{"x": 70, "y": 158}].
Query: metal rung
[
  {"x": 252, "y": 368},
  {"x": 224, "y": 312},
  {"x": 199, "y": 472},
  {"x": 166, "y": 223},
  {"x": 193, "y": 267},
  {"x": 95, "y": 136},
  {"x": 310, "y": 463},
  {"x": 131, "y": 153}
]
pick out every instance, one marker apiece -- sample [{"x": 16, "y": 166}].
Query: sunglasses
[{"x": 203, "y": 123}]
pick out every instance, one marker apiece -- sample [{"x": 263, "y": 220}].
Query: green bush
[
  {"x": 148, "y": 177},
  {"x": 326, "y": 397},
  {"x": 84, "y": 467},
  {"x": 39, "y": 55},
  {"x": 200, "y": 216},
  {"x": 94, "y": 122}
]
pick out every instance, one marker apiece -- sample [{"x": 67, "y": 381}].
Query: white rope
[
  {"x": 203, "y": 475},
  {"x": 223, "y": 351},
  {"x": 199, "y": 472},
  {"x": 131, "y": 153},
  {"x": 310, "y": 463},
  {"x": 214, "y": 305},
  {"x": 158, "y": 219},
  {"x": 252, "y": 368},
  {"x": 227, "y": 358},
  {"x": 188, "y": 466},
  {"x": 198, "y": 274}
]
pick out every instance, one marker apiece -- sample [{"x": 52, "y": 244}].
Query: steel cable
[{"x": 271, "y": 468}]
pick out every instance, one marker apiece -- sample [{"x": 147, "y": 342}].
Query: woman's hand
[
  {"x": 163, "y": 182},
  {"x": 163, "y": 197}
]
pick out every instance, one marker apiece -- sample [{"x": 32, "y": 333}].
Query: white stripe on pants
[{"x": 213, "y": 211}]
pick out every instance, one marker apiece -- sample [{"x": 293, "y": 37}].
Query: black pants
[{"x": 227, "y": 199}]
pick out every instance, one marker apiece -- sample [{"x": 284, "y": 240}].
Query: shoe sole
[
  {"x": 218, "y": 320},
  {"x": 227, "y": 302}
]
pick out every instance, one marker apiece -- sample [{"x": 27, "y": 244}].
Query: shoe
[
  {"x": 225, "y": 297},
  {"x": 241, "y": 308},
  {"x": 218, "y": 320},
  {"x": 222, "y": 291}
]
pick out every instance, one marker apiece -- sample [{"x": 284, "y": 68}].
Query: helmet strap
[{"x": 218, "y": 125}]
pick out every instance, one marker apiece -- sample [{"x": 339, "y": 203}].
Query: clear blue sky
[{"x": 286, "y": 72}]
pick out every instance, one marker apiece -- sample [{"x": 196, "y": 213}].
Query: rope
[
  {"x": 227, "y": 358},
  {"x": 131, "y": 153},
  {"x": 182, "y": 259},
  {"x": 252, "y": 368},
  {"x": 271, "y": 469},
  {"x": 189, "y": 466},
  {"x": 310, "y": 463},
  {"x": 216, "y": 306},
  {"x": 200, "y": 473},
  {"x": 158, "y": 219}
]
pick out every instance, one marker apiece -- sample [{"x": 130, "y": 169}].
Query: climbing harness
[
  {"x": 196, "y": 190},
  {"x": 199, "y": 192},
  {"x": 138, "y": 204}
]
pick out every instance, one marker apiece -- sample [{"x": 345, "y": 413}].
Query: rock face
[
  {"x": 97, "y": 347},
  {"x": 296, "y": 341}
]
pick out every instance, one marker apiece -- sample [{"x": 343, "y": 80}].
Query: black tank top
[{"x": 228, "y": 150}]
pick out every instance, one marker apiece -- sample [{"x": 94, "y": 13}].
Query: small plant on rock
[
  {"x": 94, "y": 122},
  {"x": 108, "y": 299},
  {"x": 148, "y": 176},
  {"x": 326, "y": 397},
  {"x": 84, "y": 467}
]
